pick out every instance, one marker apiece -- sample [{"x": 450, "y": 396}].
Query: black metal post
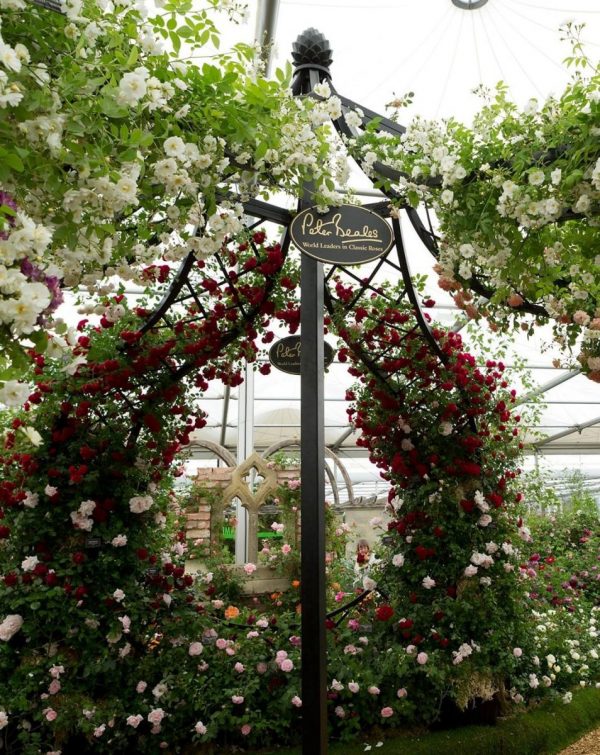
[
  {"x": 312, "y": 56},
  {"x": 312, "y": 446}
]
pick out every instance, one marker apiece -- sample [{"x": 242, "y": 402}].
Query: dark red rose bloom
[{"x": 384, "y": 613}]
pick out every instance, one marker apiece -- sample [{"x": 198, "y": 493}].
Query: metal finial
[{"x": 312, "y": 47}]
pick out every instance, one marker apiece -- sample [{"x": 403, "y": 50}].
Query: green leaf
[
  {"x": 15, "y": 162},
  {"x": 110, "y": 107},
  {"x": 133, "y": 56},
  {"x": 175, "y": 41},
  {"x": 39, "y": 339}
]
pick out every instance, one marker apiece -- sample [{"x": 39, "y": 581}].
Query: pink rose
[
  {"x": 246, "y": 729},
  {"x": 353, "y": 687},
  {"x": 261, "y": 667},
  {"x": 402, "y": 692},
  {"x": 156, "y": 716},
  {"x": 99, "y": 730},
  {"x": 195, "y": 648},
  {"x": 422, "y": 659},
  {"x": 200, "y": 728},
  {"x": 387, "y": 712},
  {"x": 50, "y": 714},
  {"x": 56, "y": 671},
  {"x": 10, "y": 626},
  {"x": 373, "y": 690},
  {"x": 517, "y": 652},
  {"x": 249, "y": 568},
  {"x": 141, "y": 687},
  {"x": 134, "y": 721},
  {"x": 286, "y": 665},
  {"x": 237, "y": 699},
  {"x": 239, "y": 667},
  {"x": 54, "y": 687},
  {"x": 221, "y": 643},
  {"x": 296, "y": 701}
]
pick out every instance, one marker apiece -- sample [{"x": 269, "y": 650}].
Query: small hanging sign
[
  {"x": 285, "y": 354},
  {"x": 346, "y": 235}
]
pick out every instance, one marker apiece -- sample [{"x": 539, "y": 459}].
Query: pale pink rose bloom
[
  {"x": 167, "y": 599},
  {"x": 237, "y": 699},
  {"x": 353, "y": 687},
  {"x": 3, "y": 719},
  {"x": 373, "y": 690},
  {"x": 280, "y": 655},
  {"x": 239, "y": 667},
  {"x": 195, "y": 648},
  {"x": 126, "y": 622},
  {"x": 230, "y": 651},
  {"x": 54, "y": 687},
  {"x": 140, "y": 503},
  {"x": 286, "y": 548},
  {"x": 56, "y": 671},
  {"x": 50, "y": 714},
  {"x": 119, "y": 541},
  {"x": 296, "y": 701},
  {"x": 134, "y": 721},
  {"x": 249, "y": 568},
  {"x": 286, "y": 665},
  {"x": 422, "y": 659},
  {"x": 155, "y": 729},
  {"x": 402, "y": 692},
  {"x": 294, "y": 484},
  {"x": 29, "y": 563},
  {"x": 218, "y": 604},
  {"x": 10, "y": 626},
  {"x": 99, "y": 730},
  {"x": 200, "y": 728},
  {"x": 517, "y": 652},
  {"x": 221, "y": 643},
  {"x": 261, "y": 667},
  {"x": 340, "y": 712},
  {"x": 156, "y": 715},
  {"x": 387, "y": 712},
  {"x": 141, "y": 687},
  {"x": 246, "y": 729}
]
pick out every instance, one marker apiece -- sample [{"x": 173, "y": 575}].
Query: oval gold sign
[{"x": 346, "y": 235}]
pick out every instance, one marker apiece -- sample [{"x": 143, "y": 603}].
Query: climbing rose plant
[
  {"x": 117, "y": 149},
  {"x": 517, "y": 200}
]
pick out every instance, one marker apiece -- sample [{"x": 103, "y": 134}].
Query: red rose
[
  {"x": 10, "y": 579},
  {"x": 384, "y": 613},
  {"x": 4, "y": 532}
]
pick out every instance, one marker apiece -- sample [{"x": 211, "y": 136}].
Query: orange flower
[
  {"x": 231, "y": 612},
  {"x": 295, "y": 583}
]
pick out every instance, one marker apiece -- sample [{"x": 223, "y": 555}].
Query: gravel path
[{"x": 588, "y": 745}]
